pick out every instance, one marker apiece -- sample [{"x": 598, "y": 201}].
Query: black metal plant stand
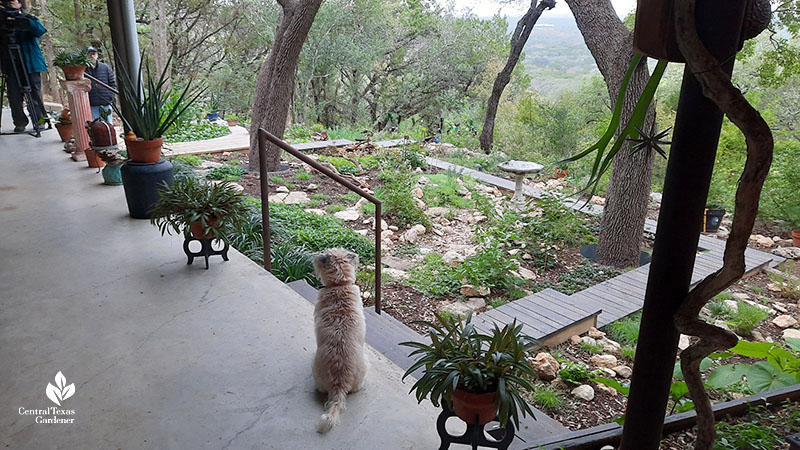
[
  {"x": 206, "y": 249},
  {"x": 474, "y": 436}
]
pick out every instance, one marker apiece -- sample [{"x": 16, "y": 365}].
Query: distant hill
[{"x": 556, "y": 56}]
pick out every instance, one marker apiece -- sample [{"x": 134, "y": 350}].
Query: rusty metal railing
[{"x": 264, "y": 177}]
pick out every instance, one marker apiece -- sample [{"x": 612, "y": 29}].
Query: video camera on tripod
[{"x": 12, "y": 21}]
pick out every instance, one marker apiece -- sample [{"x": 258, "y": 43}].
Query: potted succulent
[
  {"x": 73, "y": 63},
  {"x": 479, "y": 376},
  {"x": 64, "y": 125},
  {"x": 232, "y": 119},
  {"x": 151, "y": 111},
  {"x": 203, "y": 209}
]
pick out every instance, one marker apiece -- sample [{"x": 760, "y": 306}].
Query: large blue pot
[{"x": 142, "y": 182}]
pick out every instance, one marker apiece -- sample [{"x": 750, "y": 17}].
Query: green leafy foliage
[
  {"x": 181, "y": 169},
  {"x": 227, "y": 173},
  {"x": 625, "y": 330},
  {"x": 746, "y": 318},
  {"x": 745, "y": 435},
  {"x": 72, "y": 58},
  {"x": 195, "y": 132},
  {"x": 575, "y": 373},
  {"x": 781, "y": 366},
  {"x": 291, "y": 263},
  {"x": 216, "y": 206},
  {"x": 343, "y": 165},
  {"x": 459, "y": 357},
  {"x": 188, "y": 159},
  {"x": 434, "y": 277},
  {"x": 583, "y": 277},
  {"x": 151, "y": 110},
  {"x": 397, "y": 201},
  {"x": 443, "y": 190},
  {"x": 547, "y": 398}
]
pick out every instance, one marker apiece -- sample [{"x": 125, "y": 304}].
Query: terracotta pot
[
  {"x": 561, "y": 173},
  {"x": 142, "y": 151},
  {"x": 233, "y": 122},
  {"x": 94, "y": 160},
  {"x": 796, "y": 237},
  {"x": 73, "y": 73},
  {"x": 65, "y": 131},
  {"x": 468, "y": 406},
  {"x": 197, "y": 229}
]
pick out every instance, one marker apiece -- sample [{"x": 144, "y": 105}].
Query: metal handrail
[{"x": 264, "y": 177}]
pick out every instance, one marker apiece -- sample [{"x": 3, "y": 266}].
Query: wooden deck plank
[
  {"x": 618, "y": 299},
  {"x": 531, "y": 317},
  {"x": 562, "y": 307}
]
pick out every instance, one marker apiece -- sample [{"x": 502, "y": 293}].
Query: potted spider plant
[
  {"x": 73, "y": 63},
  {"x": 203, "y": 209},
  {"x": 152, "y": 109},
  {"x": 480, "y": 376}
]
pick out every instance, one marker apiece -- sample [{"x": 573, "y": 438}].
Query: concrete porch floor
[{"x": 162, "y": 354}]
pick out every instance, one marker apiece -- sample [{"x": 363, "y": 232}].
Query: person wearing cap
[
  {"x": 100, "y": 97},
  {"x": 26, "y": 30}
]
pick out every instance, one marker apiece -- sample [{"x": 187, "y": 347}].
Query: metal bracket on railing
[{"x": 264, "y": 177}]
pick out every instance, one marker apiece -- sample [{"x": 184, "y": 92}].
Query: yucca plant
[
  {"x": 152, "y": 108},
  {"x": 215, "y": 206},
  {"x": 459, "y": 357},
  {"x": 71, "y": 58}
]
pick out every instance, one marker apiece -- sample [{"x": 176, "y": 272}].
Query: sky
[{"x": 488, "y": 8}]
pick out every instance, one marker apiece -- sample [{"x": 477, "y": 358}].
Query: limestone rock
[
  {"x": 608, "y": 372},
  {"x": 545, "y": 366},
  {"x": 780, "y": 307},
  {"x": 605, "y": 389},
  {"x": 773, "y": 287},
  {"x": 393, "y": 228},
  {"x": 609, "y": 361},
  {"x": 347, "y": 214},
  {"x": 394, "y": 273},
  {"x": 741, "y": 296},
  {"x": 312, "y": 186},
  {"x": 397, "y": 263},
  {"x": 732, "y": 305},
  {"x": 791, "y": 333},
  {"x": 583, "y": 392},
  {"x": 362, "y": 232},
  {"x": 423, "y": 180},
  {"x": 589, "y": 341},
  {"x": 277, "y": 198},
  {"x": 319, "y": 212},
  {"x": 437, "y": 211},
  {"x": 610, "y": 346},
  {"x": 282, "y": 189},
  {"x": 527, "y": 274},
  {"x": 417, "y": 192},
  {"x": 784, "y": 321},
  {"x": 765, "y": 242},
  {"x": 757, "y": 336},
  {"x": 420, "y": 204},
  {"x": 623, "y": 371},
  {"x": 296, "y": 198},
  {"x": 412, "y": 234},
  {"x": 787, "y": 252},
  {"x": 462, "y": 308},
  {"x": 594, "y": 333},
  {"x": 656, "y": 197},
  {"x": 453, "y": 258},
  {"x": 575, "y": 339},
  {"x": 469, "y": 290}
]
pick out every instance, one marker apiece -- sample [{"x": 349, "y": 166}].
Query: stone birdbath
[{"x": 520, "y": 169}]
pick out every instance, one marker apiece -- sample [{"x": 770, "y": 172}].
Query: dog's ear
[{"x": 352, "y": 257}]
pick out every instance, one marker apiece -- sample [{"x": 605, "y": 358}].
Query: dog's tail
[{"x": 334, "y": 406}]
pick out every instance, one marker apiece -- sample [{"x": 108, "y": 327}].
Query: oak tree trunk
[
  {"x": 158, "y": 27},
  {"x": 276, "y": 77},
  {"x": 518, "y": 40},
  {"x": 611, "y": 45}
]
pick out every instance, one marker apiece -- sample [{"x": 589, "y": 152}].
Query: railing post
[
  {"x": 335, "y": 177},
  {"x": 264, "y": 179}
]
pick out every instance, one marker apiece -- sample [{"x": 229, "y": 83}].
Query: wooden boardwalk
[{"x": 616, "y": 298}]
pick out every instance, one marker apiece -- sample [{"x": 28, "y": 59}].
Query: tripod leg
[{"x": 2, "y": 92}]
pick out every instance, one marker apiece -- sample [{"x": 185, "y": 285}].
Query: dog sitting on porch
[{"x": 340, "y": 363}]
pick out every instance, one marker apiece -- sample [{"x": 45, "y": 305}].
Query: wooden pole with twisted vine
[
  {"x": 706, "y": 95},
  {"x": 717, "y": 86}
]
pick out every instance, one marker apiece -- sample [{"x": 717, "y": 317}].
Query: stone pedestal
[{"x": 78, "y": 96}]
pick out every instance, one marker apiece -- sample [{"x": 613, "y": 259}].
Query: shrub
[
  {"x": 302, "y": 175},
  {"x": 575, "y": 372},
  {"x": 291, "y": 263},
  {"x": 443, "y": 191},
  {"x": 718, "y": 308},
  {"x": 625, "y": 330},
  {"x": 344, "y": 166},
  {"x": 743, "y": 321},
  {"x": 397, "y": 201},
  {"x": 182, "y": 170},
  {"x": 434, "y": 277},
  {"x": 585, "y": 276},
  {"x": 490, "y": 267},
  {"x": 226, "y": 173}
]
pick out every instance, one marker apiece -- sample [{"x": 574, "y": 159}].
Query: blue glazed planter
[
  {"x": 112, "y": 175},
  {"x": 212, "y": 117}
]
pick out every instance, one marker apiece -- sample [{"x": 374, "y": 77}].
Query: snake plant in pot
[
  {"x": 151, "y": 110},
  {"x": 480, "y": 376},
  {"x": 204, "y": 209}
]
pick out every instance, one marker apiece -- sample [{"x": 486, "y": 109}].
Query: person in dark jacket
[
  {"x": 100, "y": 97},
  {"x": 25, "y": 30}
]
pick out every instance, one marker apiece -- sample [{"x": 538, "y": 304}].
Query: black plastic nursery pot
[
  {"x": 712, "y": 220},
  {"x": 142, "y": 182}
]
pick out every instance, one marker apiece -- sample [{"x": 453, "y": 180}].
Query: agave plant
[
  {"x": 71, "y": 58},
  {"x": 459, "y": 357},
  {"x": 152, "y": 108}
]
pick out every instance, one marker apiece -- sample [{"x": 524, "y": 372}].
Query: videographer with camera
[{"x": 20, "y": 55}]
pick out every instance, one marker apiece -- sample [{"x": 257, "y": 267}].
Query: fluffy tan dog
[{"x": 340, "y": 364}]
